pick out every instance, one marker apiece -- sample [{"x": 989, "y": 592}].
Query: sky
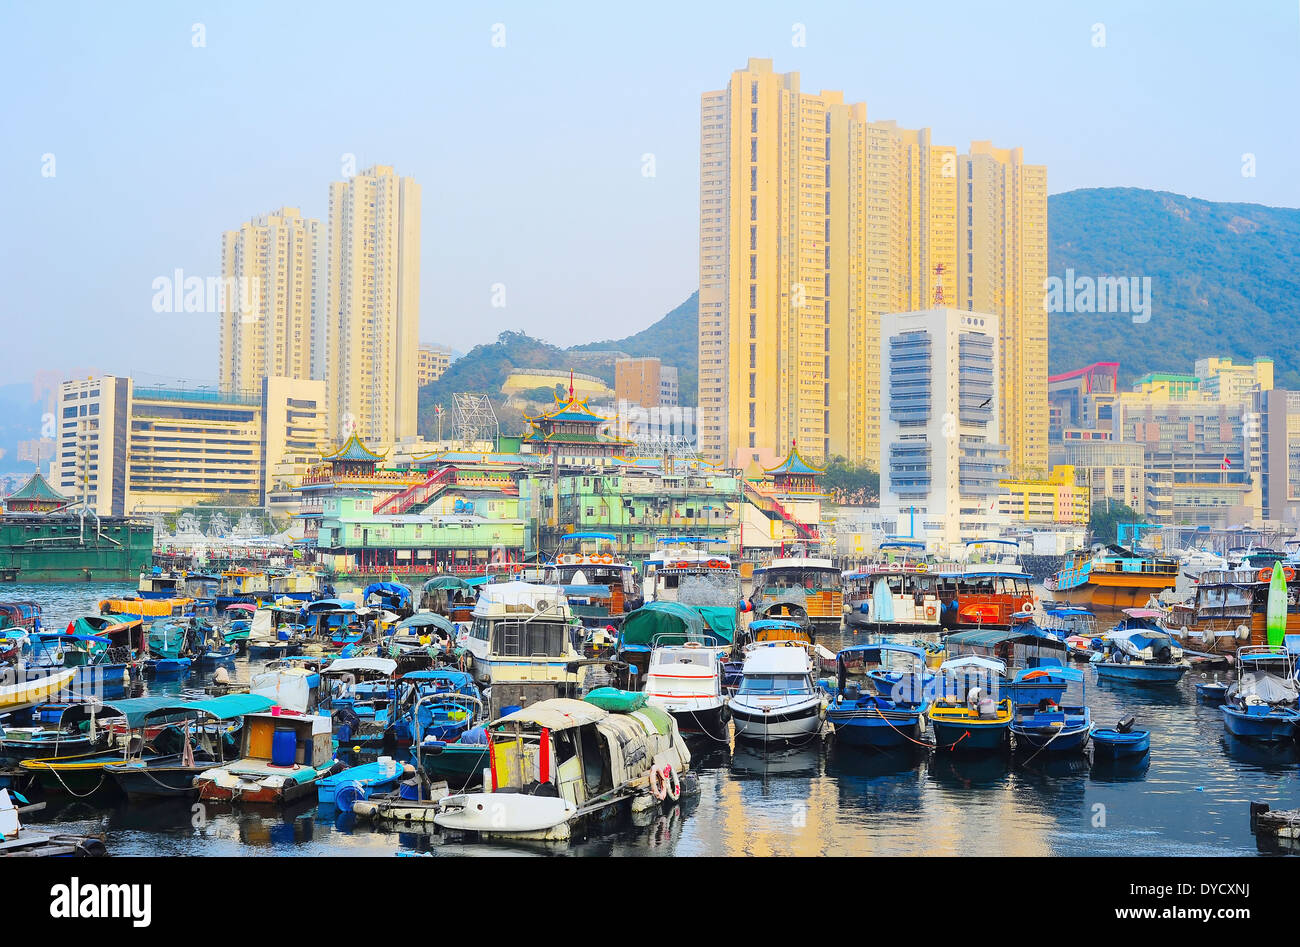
[{"x": 132, "y": 135}]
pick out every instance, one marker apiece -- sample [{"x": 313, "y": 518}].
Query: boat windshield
[{"x": 775, "y": 684}]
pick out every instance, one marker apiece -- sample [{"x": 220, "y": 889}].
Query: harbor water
[{"x": 1190, "y": 798}]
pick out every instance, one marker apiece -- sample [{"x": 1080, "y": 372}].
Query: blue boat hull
[
  {"x": 1271, "y": 728},
  {"x": 969, "y": 737},
  {"x": 855, "y": 728},
  {"x": 1111, "y": 744},
  {"x": 1064, "y": 740},
  {"x": 1141, "y": 673}
]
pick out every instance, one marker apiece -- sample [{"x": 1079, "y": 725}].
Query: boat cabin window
[
  {"x": 518, "y": 639},
  {"x": 775, "y": 684}
]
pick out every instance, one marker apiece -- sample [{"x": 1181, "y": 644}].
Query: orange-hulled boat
[{"x": 1111, "y": 578}]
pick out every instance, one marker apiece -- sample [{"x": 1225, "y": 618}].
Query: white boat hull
[
  {"x": 777, "y": 723},
  {"x": 506, "y": 813}
]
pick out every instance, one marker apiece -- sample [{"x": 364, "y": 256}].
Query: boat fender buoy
[
  {"x": 674, "y": 784},
  {"x": 658, "y": 784}
]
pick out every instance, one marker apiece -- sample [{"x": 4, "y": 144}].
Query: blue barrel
[
  {"x": 348, "y": 793},
  {"x": 284, "y": 746}
]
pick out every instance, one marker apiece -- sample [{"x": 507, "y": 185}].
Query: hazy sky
[{"x": 531, "y": 155}]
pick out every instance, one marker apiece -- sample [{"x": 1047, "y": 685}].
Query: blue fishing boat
[
  {"x": 454, "y": 744},
  {"x": 892, "y": 717},
  {"x": 1139, "y": 651},
  {"x": 343, "y": 788},
  {"x": 172, "y": 647},
  {"x": 1051, "y": 727},
  {"x": 1262, "y": 707},
  {"x": 1120, "y": 742},
  {"x": 1211, "y": 692}
]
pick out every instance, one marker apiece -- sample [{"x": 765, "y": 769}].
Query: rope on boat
[
  {"x": 68, "y": 789},
  {"x": 953, "y": 745}
]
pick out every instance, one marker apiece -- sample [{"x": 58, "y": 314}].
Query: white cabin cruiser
[
  {"x": 686, "y": 681},
  {"x": 777, "y": 701}
]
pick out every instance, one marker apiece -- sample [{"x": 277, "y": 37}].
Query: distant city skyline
[{"x": 557, "y": 150}]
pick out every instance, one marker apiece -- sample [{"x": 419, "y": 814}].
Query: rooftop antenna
[{"x": 939, "y": 270}]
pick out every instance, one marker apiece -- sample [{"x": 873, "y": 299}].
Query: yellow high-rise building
[
  {"x": 1002, "y": 268},
  {"x": 272, "y": 269},
  {"x": 372, "y": 322},
  {"x": 813, "y": 222}
]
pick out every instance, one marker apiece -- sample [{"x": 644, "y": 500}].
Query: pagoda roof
[
  {"x": 38, "y": 489},
  {"x": 794, "y": 464},
  {"x": 354, "y": 450},
  {"x": 575, "y": 409}
]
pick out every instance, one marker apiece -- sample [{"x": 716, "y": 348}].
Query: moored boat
[
  {"x": 809, "y": 582},
  {"x": 777, "y": 701},
  {"x": 888, "y": 718},
  {"x": 1111, "y": 577},
  {"x": 561, "y": 763},
  {"x": 281, "y": 757}
]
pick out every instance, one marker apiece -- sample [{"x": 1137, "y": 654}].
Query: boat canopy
[
  {"x": 557, "y": 713},
  {"x": 1139, "y": 639},
  {"x": 719, "y": 619},
  {"x": 1153, "y": 614},
  {"x": 241, "y": 607},
  {"x": 67, "y": 636},
  {"x": 446, "y": 582},
  {"x": 973, "y": 661},
  {"x": 989, "y": 637},
  {"x": 872, "y": 652},
  {"x": 661, "y": 619},
  {"x": 347, "y": 665},
  {"x": 225, "y": 707},
  {"x": 426, "y": 620},
  {"x": 453, "y": 679},
  {"x": 765, "y": 624},
  {"x": 395, "y": 592},
  {"x": 1068, "y": 611},
  {"x": 330, "y": 605},
  {"x": 1050, "y": 671},
  {"x": 134, "y": 709}
]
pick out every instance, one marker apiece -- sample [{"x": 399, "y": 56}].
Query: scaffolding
[{"x": 472, "y": 419}]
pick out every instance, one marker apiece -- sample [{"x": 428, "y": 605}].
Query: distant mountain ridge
[{"x": 1224, "y": 278}]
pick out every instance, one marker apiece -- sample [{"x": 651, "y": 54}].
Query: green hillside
[{"x": 1225, "y": 279}]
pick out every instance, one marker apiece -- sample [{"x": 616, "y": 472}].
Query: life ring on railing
[
  {"x": 606, "y": 559},
  {"x": 1266, "y": 575},
  {"x": 718, "y": 564},
  {"x": 681, "y": 564},
  {"x": 931, "y": 612},
  {"x": 674, "y": 784},
  {"x": 659, "y": 783},
  {"x": 693, "y": 644}
]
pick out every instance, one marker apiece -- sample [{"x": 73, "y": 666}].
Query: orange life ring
[
  {"x": 681, "y": 564},
  {"x": 659, "y": 783},
  {"x": 929, "y": 611},
  {"x": 1266, "y": 575},
  {"x": 606, "y": 559}
]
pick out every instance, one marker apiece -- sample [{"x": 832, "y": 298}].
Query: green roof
[
  {"x": 794, "y": 464},
  {"x": 37, "y": 488},
  {"x": 682, "y": 622},
  {"x": 354, "y": 450}
]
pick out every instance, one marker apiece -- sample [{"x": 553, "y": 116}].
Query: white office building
[{"x": 940, "y": 454}]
